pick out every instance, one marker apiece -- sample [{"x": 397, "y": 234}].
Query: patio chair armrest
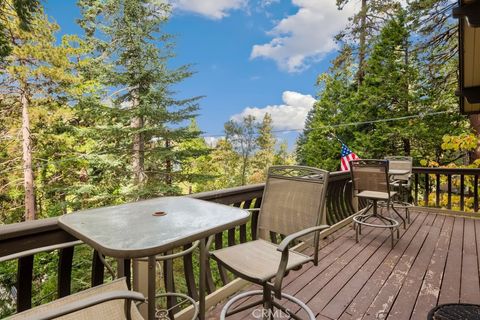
[
  {"x": 90, "y": 302},
  {"x": 286, "y": 242},
  {"x": 283, "y": 247}
]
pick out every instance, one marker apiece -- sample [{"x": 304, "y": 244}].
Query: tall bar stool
[
  {"x": 402, "y": 183},
  {"x": 371, "y": 182}
]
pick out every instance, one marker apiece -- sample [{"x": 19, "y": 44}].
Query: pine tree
[
  {"x": 36, "y": 75},
  {"x": 146, "y": 121},
  {"x": 393, "y": 87},
  {"x": 264, "y": 157},
  {"x": 19, "y": 11}
]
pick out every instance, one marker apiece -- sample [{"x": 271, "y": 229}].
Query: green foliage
[
  {"x": 22, "y": 14},
  {"x": 394, "y": 86},
  {"x": 142, "y": 124}
]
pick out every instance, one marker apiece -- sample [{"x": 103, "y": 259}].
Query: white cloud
[
  {"x": 213, "y": 9},
  {"x": 290, "y": 115},
  {"x": 305, "y": 37},
  {"x": 212, "y": 141}
]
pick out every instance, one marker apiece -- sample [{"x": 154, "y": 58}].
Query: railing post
[{"x": 449, "y": 191}]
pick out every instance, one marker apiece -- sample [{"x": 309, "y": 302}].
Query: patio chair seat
[
  {"x": 376, "y": 195},
  {"x": 114, "y": 309},
  {"x": 257, "y": 260}
]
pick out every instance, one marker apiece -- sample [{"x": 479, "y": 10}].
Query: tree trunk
[
  {"x": 244, "y": 171},
  {"x": 168, "y": 165},
  {"x": 406, "y": 141},
  {"x": 362, "y": 45},
  {"x": 475, "y": 124},
  {"x": 28, "y": 180},
  {"x": 138, "y": 151},
  {"x": 138, "y": 146}
]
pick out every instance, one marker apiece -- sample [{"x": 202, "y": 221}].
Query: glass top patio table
[
  {"x": 150, "y": 227},
  {"x": 132, "y": 230}
]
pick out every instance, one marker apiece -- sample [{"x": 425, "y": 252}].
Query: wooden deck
[{"x": 435, "y": 261}]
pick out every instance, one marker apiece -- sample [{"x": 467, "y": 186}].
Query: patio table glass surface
[{"x": 131, "y": 230}]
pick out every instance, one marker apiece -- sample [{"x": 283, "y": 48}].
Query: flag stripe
[{"x": 346, "y": 156}]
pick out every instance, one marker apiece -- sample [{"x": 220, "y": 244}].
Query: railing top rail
[
  {"x": 434, "y": 170},
  {"x": 224, "y": 193},
  {"x": 26, "y": 228}
]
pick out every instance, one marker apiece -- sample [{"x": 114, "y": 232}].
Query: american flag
[{"x": 347, "y": 155}]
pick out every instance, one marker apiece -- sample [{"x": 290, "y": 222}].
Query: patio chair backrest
[
  {"x": 400, "y": 163},
  {"x": 370, "y": 175},
  {"x": 114, "y": 309},
  {"x": 293, "y": 200}
]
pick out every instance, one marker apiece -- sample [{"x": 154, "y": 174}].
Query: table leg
[
  {"x": 151, "y": 287},
  {"x": 120, "y": 268},
  {"x": 203, "y": 279}
]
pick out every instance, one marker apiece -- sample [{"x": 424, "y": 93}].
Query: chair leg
[
  {"x": 357, "y": 226},
  {"x": 400, "y": 216},
  {"x": 267, "y": 304},
  {"x": 392, "y": 235}
]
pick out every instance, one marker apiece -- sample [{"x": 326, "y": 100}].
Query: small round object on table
[{"x": 455, "y": 311}]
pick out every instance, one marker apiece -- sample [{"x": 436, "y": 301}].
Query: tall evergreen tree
[
  {"x": 37, "y": 74},
  {"x": 265, "y": 154},
  {"x": 146, "y": 120},
  {"x": 20, "y": 11},
  {"x": 393, "y": 87}
]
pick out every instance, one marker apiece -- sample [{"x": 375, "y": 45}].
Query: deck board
[{"x": 436, "y": 260}]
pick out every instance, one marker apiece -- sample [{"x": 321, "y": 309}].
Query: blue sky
[{"x": 250, "y": 56}]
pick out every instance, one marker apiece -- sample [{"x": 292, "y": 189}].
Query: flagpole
[{"x": 335, "y": 136}]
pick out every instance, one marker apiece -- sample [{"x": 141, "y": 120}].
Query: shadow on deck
[{"x": 435, "y": 261}]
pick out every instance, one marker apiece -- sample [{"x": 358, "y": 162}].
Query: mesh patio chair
[
  {"x": 401, "y": 183},
  {"x": 292, "y": 206},
  {"x": 108, "y": 301},
  {"x": 371, "y": 182}
]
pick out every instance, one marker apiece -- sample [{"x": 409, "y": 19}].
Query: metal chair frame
[
  {"x": 402, "y": 200},
  {"x": 272, "y": 288},
  {"x": 363, "y": 217}
]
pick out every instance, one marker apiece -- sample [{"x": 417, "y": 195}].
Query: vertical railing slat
[
  {"x": 449, "y": 191},
  {"x": 254, "y": 218},
  {"x": 98, "y": 269},
  {"x": 475, "y": 193},
  {"x": 416, "y": 189},
  {"x": 64, "y": 272},
  {"x": 462, "y": 192},
  {"x": 427, "y": 190},
  {"x": 24, "y": 283},
  {"x": 169, "y": 282},
  {"x": 221, "y": 269},
  {"x": 189, "y": 274},
  {"x": 437, "y": 190}
]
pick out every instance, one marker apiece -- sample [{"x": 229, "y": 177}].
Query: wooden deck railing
[
  {"x": 450, "y": 188},
  {"x": 22, "y": 241}
]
